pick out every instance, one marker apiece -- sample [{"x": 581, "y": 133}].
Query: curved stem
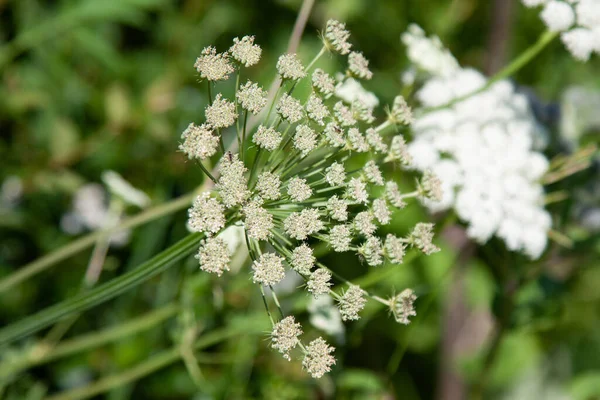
[
  {"x": 43, "y": 263},
  {"x": 102, "y": 293},
  {"x": 42, "y": 355},
  {"x": 152, "y": 364},
  {"x": 507, "y": 71}
]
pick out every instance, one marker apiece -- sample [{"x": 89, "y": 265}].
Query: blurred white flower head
[
  {"x": 577, "y": 21},
  {"x": 482, "y": 150},
  {"x": 427, "y": 53},
  {"x": 11, "y": 191},
  {"x": 91, "y": 208}
]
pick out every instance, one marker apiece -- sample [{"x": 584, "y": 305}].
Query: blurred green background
[{"x": 95, "y": 85}]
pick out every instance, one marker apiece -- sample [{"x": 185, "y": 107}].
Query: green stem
[
  {"x": 96, "y": 339},
  {"x": 84, "y": 242},
  {"x": 273, "y": 103},
  {"x": 152, "y": 364},
  {"x": 314, "y": 60},
  {"x": 522, "y": 60},
  {"x": 102, "y": 293},
  {"x": 206, "y": 171},
  {"x": 242, "y": 148}
]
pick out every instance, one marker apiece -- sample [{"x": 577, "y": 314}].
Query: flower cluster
[
  {"x": 483, "y": 150},
  {"x": 290, "y": 187},
  {"x": 578, "y": 21}
]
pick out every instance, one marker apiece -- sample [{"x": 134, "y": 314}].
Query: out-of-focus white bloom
[
  {"x": 91, "y": 211},
  {"x": 350, "y": 90},
  {"x": 428, "y": 53},
  {"x": 583, "y": 16},
  {"x": 579, "y": 113},
  {"x": 325, "y": 316},
  {"x": 533, "y": 3},
  {"x": 123, "y": 189},
  {"x": 11, "y": 191},
  {"x": 482, "y": 150},
  {"x": 558, "y": 16}
]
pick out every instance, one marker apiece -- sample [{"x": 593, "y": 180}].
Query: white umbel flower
[
  {"x": 335, "y": 174},
  {"x": 318, "y": 359},
  {"x": 305, "y": 139},
  {"x": 340, "y": 237},
  {"x": 363, "y": 223},
  {"x": 302, "y": 259},
  {"x": 199, "y": 141},
  {"x": 351, "y": 303},
  {"x": 213, "y": 66},
  {"x": 298, "y": 189},
  {"x": 357, "y": 190},
  {"x": 399, "y": 151},
  {"x": 483, "y": 151},
  {"x": 359, "y": 65},
  {"x": 316, "y": 110},
  {"x": 268, "y": 184},
  {"x": 268, "y": 269},
  {"x": 394, "y": 249},
  {"x": 402, "y": 306},
  {"x": 357, "y": 141},
  {"x": 257, "y": 221},
  {"x": 375, "y": 141},
  {"x": 344, "y": 114},
  {"x": 299, "y": 225},
  {"x": 350, "y": 90},
  {"x": 381, "y": 212},
  {"x": 372, "y": 250},
  {"x": 338, "y": 209},
  {"x": 290, "y": 67},
  {"x": 319, "y": 282},
  {"x": 252, "y": 97},
  {"x": 334, "y": 135},
  {"x": 221, "y": 113},
  {"x": 245, "y": 51},
  {"x": 323, "y": 82},
  {"x": 580, "y": 42},
  {"x": 558, "y": 15},
  {"x": 336, "y": 37},
  {"x": 206, "y": 214},
  {"x": 267, "y": 138},
  {"x": 428, "y": 54},
  {"x": 422, "y": 238},
  {"x": 233, "y": 184},
  {"x": 290, "y": 108},
  {"x": 393, "y": 195},
  {"x": 213, "y": 256},
  {"x": 284, "y": 336},
  {"x": 401, "y": 112},
  {"x": 533, "y": 3},
  {"x": 373, "y": 174}
]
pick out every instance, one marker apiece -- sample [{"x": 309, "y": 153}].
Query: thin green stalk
[
  {"x": 152, "y": 364},
  {"x": 102, "y": 293},
  {"x": 237, "y": 120},
  {"x": 254, "y": 166},
  {"x": 92, "y": 340},
  {"x": 205, "y": 170},
  {"x": 243, "y": 147},
  {"x": 314, "y": 60},
  {"x": 522, "y": 60},
  {"x": 273, "y": 102},
  {"x": 43, "y": 263}
]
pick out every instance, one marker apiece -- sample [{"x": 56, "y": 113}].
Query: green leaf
[{"x": 102, "y": 293}]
